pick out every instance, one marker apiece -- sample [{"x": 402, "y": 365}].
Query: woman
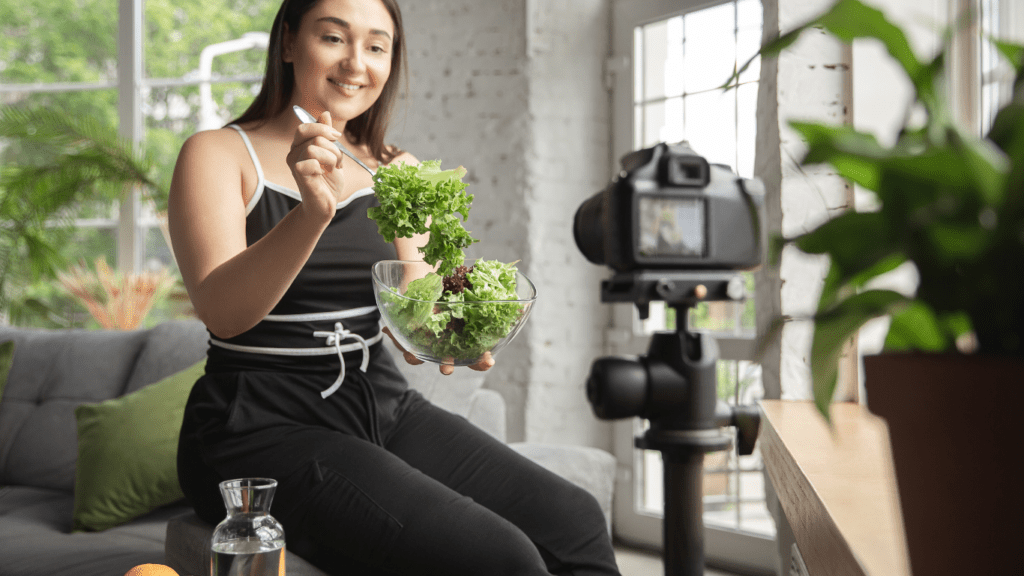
[{"x": 269, "y": 227}]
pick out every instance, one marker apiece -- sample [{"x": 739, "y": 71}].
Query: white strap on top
[{"x": 260, "y": 180}]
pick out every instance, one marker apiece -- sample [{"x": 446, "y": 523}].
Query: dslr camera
[
  {"x": 669, "y": 209},
  {"x": 675, "y": 228}
]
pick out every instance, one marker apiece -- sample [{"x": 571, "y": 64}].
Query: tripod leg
[{"x": 684, "y": 513}]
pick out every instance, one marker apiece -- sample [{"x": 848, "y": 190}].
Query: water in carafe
[
  {"x": 248, "y": 558},
  {"x": 249, "y": 541}
]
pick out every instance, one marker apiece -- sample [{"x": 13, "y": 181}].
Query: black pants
[{"x": 394, "y": 485}]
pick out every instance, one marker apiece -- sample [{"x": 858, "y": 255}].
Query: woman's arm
[
  {"x": 232, "y": 287},
  {"x": 408, "y": 248}
]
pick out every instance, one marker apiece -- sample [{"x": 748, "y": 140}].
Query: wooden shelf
[{"x": 837, "y": 487}]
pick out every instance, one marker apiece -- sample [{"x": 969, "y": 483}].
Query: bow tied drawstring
[{"x": 335, "y": 339}]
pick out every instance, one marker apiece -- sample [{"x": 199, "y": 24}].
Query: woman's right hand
[{"x": 315, "y": 163}]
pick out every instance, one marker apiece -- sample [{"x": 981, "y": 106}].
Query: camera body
[{"x": 669, "y": 209}]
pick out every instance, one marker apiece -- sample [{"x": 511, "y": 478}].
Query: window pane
[
  {"x": 89, "y": 243},
  {"x": 639, "y": 63},
  {"x": 659, "y": 48},
  {"x": 711, "y": 125},
  {"x": 748, "y": 38},
  {"x": 55, "y": 42},
  {"x": 662, "y": 57},
  {"x": 654, "y": 122},
  {"x": 746, "y": 129},
  {"x": 100, "y": 105},
  {"x": 714, "y": 317},
  {"x": 177, "y": 32},
  {"x": 709, "y": 47},
  {"x": 638, "y": 127},
  {"x": 727, "y": 318},
  {"x": 663, "y": 122},
  {"x": 157, "y": 251}
]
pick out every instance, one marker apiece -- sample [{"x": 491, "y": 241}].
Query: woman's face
[{"x": 341, "y": 55}]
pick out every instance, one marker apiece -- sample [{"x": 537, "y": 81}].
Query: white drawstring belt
[{"x": 334, "y": 341}]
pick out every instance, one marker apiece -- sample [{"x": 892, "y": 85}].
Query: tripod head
[{"x": 674, "y": 385}]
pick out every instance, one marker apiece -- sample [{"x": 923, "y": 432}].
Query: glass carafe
[{"x": 249, "y": 542}]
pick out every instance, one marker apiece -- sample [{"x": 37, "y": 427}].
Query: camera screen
[{"x": 670, "y": 226}]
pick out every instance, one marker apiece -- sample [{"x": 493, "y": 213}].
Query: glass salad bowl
[{"x": 436, "y": 326}]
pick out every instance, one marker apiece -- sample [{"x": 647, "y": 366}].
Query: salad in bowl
[
  {"x": 440, "y": 310},
  {"x": 452, "y": 321}
]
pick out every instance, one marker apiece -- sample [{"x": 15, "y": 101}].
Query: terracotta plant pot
[{"x": 955, "y": 429}]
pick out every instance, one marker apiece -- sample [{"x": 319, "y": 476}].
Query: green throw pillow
[
  {"x": 127, "y": 452},
  {"x": 6, "y": 359}
]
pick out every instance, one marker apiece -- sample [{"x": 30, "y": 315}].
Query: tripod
[
  {"x": 674, "y": 386},
  {"x": 684, "y": 437}
]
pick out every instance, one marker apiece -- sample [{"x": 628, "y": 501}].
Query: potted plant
[
  {"x": 63, "y": 162},
  {"x": 952, "y": 205}
]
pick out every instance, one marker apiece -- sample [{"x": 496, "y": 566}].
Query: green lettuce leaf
[
  {"x": 420, "y": 199},
  {"x": 415, "y": 309}
]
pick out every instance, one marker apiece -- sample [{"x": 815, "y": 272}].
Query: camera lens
[{"x": 588, "y": 231}]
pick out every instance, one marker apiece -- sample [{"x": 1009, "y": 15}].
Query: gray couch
[{"x": 55, "y": 371}]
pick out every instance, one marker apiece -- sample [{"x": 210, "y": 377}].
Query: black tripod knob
[{"x": 746, "y": 420}]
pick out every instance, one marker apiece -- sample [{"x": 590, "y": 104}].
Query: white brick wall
[
  {"x": 511, "y": 90},
  {"x": 809, "y": 81}
]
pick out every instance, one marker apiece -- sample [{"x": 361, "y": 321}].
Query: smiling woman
[
  {"x": 271, "y": 231},
  {"x": 371, "y": 39}
]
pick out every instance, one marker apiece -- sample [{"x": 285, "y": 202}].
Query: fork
[{"x": 306, "y": 118}]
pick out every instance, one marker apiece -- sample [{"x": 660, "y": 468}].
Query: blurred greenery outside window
[{"x": 63, "y": 55}]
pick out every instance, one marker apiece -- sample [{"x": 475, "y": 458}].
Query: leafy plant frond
[
  {"x": 834, "y": 327},
  {"x": 73, "y": 162},
  {"x": 116, "y": 301}
]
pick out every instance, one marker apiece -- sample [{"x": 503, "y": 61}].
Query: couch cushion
[
  {"x": 127, "y": 452},
  {"x": 53, "y": 372},
  {"x": 35, "y": 526},
  {"x": 170, "y": 347},
  {"x": 592, "y": 469}
]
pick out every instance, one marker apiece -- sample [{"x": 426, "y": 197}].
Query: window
[
  {"x": 681, "y": 53},
  {"x": 135, "y": 65}
]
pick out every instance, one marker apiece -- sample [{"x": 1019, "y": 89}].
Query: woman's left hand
[{"x": 482, "y": 365}]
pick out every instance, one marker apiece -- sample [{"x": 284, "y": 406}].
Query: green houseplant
[
  {"x": 952, "y": 205},
  {"x": 60, "y": 163}
]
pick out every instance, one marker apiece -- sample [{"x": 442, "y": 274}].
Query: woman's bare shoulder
[
  {"x": 212, "y": 160},
  {"x": 218, "y": 142}
]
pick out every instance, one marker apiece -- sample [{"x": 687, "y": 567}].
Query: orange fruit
[{"x": 151, "y": 570}]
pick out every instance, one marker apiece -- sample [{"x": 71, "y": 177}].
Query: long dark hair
[{"x": 370, "y": 127}]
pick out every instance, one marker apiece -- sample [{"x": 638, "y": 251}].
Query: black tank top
[{"x": 335, "y": 281}]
